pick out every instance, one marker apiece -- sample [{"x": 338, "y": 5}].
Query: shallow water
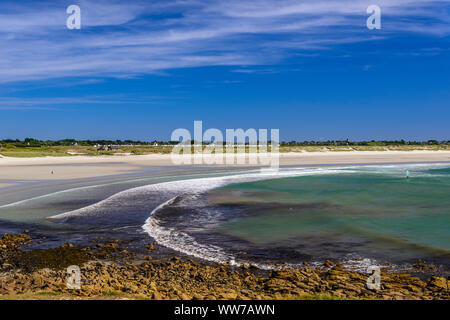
[
  {"x": 357, "y": 215},
  {"x": 372, "y": 213}
]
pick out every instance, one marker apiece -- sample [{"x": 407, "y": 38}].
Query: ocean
[{"x": 356, "y": 215}]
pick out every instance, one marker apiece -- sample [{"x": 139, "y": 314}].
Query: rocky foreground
[{"x": 109, "y": 270}]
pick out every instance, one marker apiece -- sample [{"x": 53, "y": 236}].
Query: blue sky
[{"x": 140, "y": 69}]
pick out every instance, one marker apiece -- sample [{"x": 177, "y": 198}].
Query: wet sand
[
  {"x": 4, "y": 185},
  {"x": 36, "y": 169}
]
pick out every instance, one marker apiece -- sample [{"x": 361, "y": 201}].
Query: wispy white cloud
[
  {"x": 246, "y": 70},
  {"x": 53, "y": 103},
  {"x": 129, "y": 38}
]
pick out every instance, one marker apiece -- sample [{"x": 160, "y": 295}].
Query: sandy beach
[{"x": 13, "y": 170}]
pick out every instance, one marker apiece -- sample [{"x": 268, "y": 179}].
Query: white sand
[
  {"x": 363, "y": 157},
  {"x": 32, "y": 169}
]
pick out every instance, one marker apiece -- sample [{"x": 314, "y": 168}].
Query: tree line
[{"x": 30, "y": 142}]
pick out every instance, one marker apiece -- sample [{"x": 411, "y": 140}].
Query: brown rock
[
  {"x": 328, "y": 264},
  {"x": 439, "y": 282}
]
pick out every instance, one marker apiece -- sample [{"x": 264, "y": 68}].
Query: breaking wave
[
  {"x": 175, "y": 192},
  {"x": 178, "y": 239}
]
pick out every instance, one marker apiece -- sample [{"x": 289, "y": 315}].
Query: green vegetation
[
  {"x": 409, "y": 147},
  {"x": 47, "y": 293},
  {"x": 69, "y": 147},
  {"x": 18, "y": 150}
]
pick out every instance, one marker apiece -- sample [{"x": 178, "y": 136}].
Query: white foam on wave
[
  {"x": 172, "y": 186},
  {"x": 177, "y": 239},
  {"x": 192, "y": 186},
  {"x": 399, "y": 170},
  {"x": 181, "y": 241},
  {"x": 48, "y": 195},
  {"x": 184, "y": 243}
]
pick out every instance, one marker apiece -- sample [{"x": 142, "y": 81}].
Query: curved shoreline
[
  {"x": 400, "y": 286},
  {"x": 184, "y": 243},
  {"x": 77, "y": 167}
]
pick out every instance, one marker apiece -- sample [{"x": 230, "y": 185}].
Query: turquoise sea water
[
  {"x": 373, "y": 213},
  {"x": 357, "y": 215}
]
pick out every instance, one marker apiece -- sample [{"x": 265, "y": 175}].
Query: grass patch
[
  {"x": 47, "y": 293},
  {"x": 64, "y": 151}
]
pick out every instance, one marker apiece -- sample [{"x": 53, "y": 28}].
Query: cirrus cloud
[{"x": 127, "y": 38}]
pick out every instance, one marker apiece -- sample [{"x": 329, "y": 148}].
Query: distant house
[{"x": 108, "y": 148}]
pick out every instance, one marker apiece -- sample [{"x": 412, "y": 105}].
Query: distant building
[{"x": 108, "y": 148}]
